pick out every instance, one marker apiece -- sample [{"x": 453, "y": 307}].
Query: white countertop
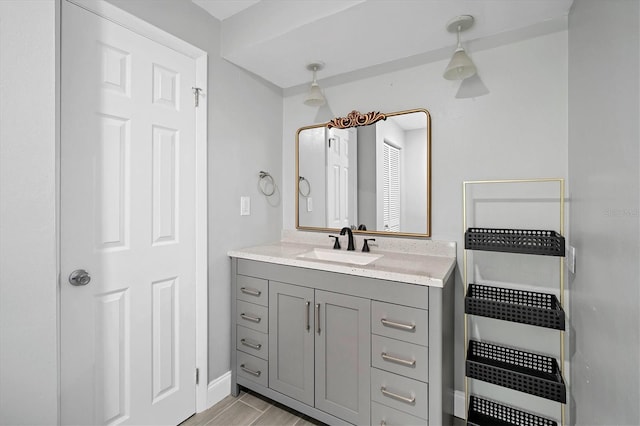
[{"x": 413, "y": 268}]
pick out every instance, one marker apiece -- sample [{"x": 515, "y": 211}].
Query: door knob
[{"x": 79, "y": 277}]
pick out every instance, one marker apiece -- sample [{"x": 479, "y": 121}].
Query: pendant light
[
  {"x": 315, "y": 98},
  {"x": 460, "y": 66}
]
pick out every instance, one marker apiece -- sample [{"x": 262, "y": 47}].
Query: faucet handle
[
  {"x": 336, "y": 245},
  {"x": 365, "y": 247}
]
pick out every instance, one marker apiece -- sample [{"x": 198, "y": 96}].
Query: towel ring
[
  {"x": 306, "y": 193},
  {"x": 265, "y": 180}
]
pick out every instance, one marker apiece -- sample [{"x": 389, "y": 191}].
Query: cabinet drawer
[
  {"x": 407, "y": 359},
  {"x": 252, "y": 316},
  {"x": 387, "y": 416},
  {"x": 252, "y": 368},
  {"x": 252, "y": 290},
  {"x": 401, "y": 393},
  {"x": 400, "y": 322},
  {"x": 252, "y": 342}
]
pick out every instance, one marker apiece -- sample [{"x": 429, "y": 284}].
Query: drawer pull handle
[
  {"x": 307, "y": 305},
  {"x": 405, "y": 362},
  {"x": 250, "y": 318},
  {"x": 255, "y": 373},
  {"x": 397, "y": 397},
  {"x": 251, "y": 291},
  {"x": 398, "y": 325},
  {"x": 255, "y": 346}
]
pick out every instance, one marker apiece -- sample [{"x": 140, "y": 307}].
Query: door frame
[{"x": 133, "y": 23}]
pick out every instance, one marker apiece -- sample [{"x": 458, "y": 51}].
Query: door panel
[
  {"x": 165, "y": 185},
  {"x": 112, "y": 353},
  {"x": 343, "y": 356},
  {"x": 113, "y": 183},
  {"x": 338, "y": 214},
  {"x": 127, "y": 217},
  {"x": 165, "y": 336},
  {"x": 291, "y": 341}
]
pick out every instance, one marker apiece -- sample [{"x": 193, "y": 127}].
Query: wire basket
[
  {"x": 511, "y": 368},
  {"x": 483, "y": 412},
  {"x": 528, "y": 241},
  {"x": 526, "y": 307}
]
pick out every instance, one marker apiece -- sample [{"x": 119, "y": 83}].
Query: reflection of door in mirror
[
  {"x": 401, "y": 203},
  {"x": 341, "y": 178},
  {"x": 391, "y": 188},
  {"x": 367, "y": 171}
]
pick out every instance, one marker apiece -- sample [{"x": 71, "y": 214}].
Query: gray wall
[
  {"x": 518, "y": 130},
  {"x": 367, "y": 176},
  {"x": 604, "y": 187},
  {"x": 313, "y": 168},
  {"x": 414, "y": 201},
  {"x": 28, "y": 265},
  {"x": 245, "y": 131}
]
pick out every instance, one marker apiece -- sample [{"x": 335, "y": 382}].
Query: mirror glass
[{"x": 370, "y": 172}]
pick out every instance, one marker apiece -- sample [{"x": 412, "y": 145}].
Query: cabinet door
[
  {"x": 343, "y": 356},
  {"x": 291, "y": 326}
]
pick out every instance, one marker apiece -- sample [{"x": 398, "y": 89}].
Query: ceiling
[{"x": 276, "y": 39}]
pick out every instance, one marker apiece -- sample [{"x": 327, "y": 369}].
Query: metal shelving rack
[{"x": 551, "y": 311}]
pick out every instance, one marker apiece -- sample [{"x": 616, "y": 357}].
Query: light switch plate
[
  {"x": 571, "y": 259},
  {"x": 309, "y": 204},
  {"x": 245, "y": 206}
]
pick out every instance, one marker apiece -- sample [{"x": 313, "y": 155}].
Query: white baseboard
[
  {"x": 219, "y": 389},
  {"x": 459, "y": 402}
]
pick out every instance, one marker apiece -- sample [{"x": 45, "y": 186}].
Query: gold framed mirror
[{"x": 370, "y": 172}]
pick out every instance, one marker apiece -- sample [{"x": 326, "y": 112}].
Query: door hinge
[
  {"x": 197, "y": 376},
  {"x": 196, "y": 94}
]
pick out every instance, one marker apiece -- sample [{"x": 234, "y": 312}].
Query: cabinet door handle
[
  {"x": 308, "y": 306},
  {"x": 318, "y": 318},
  {"x": 251, "y": 291},
  {"x": 250, "y": 318},
  {"x": 406, "y": 400},
  {"x": 255, "y": 346},
  {"x": 405, "y": 362},
  {"x": 398, "y": 325},
  {"x": 255, "y": 373}
]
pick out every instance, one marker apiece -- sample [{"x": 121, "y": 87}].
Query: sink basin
[{"x": 341, "y": 256}]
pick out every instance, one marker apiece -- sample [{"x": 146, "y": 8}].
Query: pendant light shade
[
  {"x": 460, "y": 66},
  {"x": 314, "y": 97}
]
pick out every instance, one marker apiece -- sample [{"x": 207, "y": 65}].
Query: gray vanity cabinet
[
  {"x": 343, "y": 356},
  {"x": 342, "y": 348},
  {"x": 291, "y": 341},
  {"x": 317, "y": 352}
]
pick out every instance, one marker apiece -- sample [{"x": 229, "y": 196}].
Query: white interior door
[
  {"x": 338, "y": 213},
  {"x": 128, "y": 218}
]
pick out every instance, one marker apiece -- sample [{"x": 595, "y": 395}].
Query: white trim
[
  {"x": 218, "y": 390},
  {"x": 138, "y": 26},
  {"x": 202, "y": 296},
  {"x": 58, "y": 77},
  {"x": 459, "y": 402}
]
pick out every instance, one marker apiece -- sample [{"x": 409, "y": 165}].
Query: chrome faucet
[{"x": 348, "y": 231}]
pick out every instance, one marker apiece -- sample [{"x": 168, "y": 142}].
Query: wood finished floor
[{"x": 249, "y": 409}]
